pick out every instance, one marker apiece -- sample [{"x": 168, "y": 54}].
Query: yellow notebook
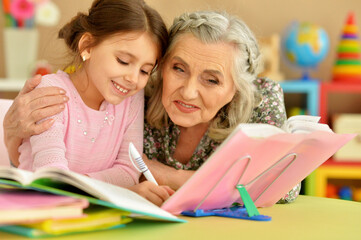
[{"x": 96, "y": 218}]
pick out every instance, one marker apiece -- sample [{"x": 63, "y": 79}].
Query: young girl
[{"x": 116, "y": 47}]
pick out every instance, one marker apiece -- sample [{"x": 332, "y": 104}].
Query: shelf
[
  {"x": 336, "y": 170},
  {"x": 311, "y": 89},
  {"x": 331, "y": 162},
  {"x": 323, "y": 173},
  {"x": 339, "y": 88},
  {"x": 11, "y": 85},
  {"x": 308, "y": 87}
]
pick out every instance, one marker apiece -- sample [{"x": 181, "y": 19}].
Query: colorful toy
[
  {"x": 305, "y": 45},
  {"x": 270, "y": 49},
  {"x": 357, "y": 194},
  {"x": 348, "y": 65},
  {"x": 331, "y": 191},
  {"x": 41, "y": 67},
  {"x": 345, "y": 193}
]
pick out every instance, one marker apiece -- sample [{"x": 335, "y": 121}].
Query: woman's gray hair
[{"x": 214, "y": 27}]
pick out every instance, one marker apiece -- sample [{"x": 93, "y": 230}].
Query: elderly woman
[{"x": 206, "y": 85}]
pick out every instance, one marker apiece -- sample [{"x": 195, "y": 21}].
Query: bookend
[{"x": 248, "y": 210}]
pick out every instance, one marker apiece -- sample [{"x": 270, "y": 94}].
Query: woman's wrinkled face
[{"x": 197, "y": 80}]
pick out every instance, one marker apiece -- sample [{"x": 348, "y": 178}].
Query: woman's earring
[{"x": 84, "y": 58}]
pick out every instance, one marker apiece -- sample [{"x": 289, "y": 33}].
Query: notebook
[{"x": 19, "y": 206}]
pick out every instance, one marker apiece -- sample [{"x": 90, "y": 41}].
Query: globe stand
[{"x": 305, "y": 76}]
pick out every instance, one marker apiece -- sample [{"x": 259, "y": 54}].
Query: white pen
[{"x": 135, "y": 156}]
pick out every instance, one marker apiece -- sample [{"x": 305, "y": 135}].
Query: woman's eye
[
  {"x": 178, "y": 69},
  {"x": 122, "y": 62},
  {"x": 212, "y": 81}
]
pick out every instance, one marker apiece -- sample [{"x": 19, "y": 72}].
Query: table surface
[{"x": 307, "y": 218}]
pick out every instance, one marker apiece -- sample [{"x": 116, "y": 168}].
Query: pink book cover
[
  {"x": 268, "y": 167},
  {"x": 20, "y": 199}
]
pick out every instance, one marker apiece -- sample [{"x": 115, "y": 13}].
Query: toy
[
  {"x": 331, "y": 191},
  {"x": 345, "y": 193},
  {"x": 270, "y": 49},
  {"x": 41, "y": 67},
  {"x": 347, "y": 67},
  {"x": 305, "y": 45},
  {"x": 357, "y": 194}
]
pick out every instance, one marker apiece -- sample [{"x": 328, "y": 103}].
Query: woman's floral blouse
[{"x": 160, "y": 144}]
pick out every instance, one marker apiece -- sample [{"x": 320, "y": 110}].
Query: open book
[
  {"x": 294, "y": 124},
  {"x": 69, "y": 183},
  {"x": 268, "y": 161}
]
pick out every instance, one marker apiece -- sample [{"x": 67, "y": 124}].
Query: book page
[
  {"x": 121, "y": 197},
  {"x": 22, "y": 176},
  {"x": 304, "y": 124},
  {"x": 306, "y": 118},
  {"x": 307, "y": 127},
  {"x": 258, "y": 130}
]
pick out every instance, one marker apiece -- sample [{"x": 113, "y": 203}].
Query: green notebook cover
[
  {"x": 68, "y": 183},
  {"x": 36, "y": 233}
]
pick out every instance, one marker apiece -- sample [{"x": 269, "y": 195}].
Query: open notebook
[{"x": 69, "y": 183}]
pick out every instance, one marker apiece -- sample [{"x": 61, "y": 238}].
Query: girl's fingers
[
  {"x": 154, "y": 199},
  {"x": 161, "y": 192},
  {"x": 169, "y": 190}
]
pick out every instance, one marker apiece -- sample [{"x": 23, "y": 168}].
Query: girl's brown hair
[{"x": 108, "y": 17}]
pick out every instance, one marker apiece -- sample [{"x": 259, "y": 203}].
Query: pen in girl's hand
[{"x": 135, "y": 156}]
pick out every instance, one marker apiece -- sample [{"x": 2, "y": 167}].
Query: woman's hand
[
  {"x": 30, "y": 106},
  {"x": 153, "y": 193},
  {"x": 166, "y": 175}
]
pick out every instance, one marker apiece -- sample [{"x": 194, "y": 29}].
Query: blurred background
[
  {"x": 329, "y": 21},
  {"x": 263, "y": 17}
]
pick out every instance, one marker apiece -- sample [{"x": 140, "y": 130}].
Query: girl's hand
[
  {"x": 166, "y": 175},
  {"x": 30, "y": 106},
  {"x": 153, "y": 193},
  {"x": 158, "y": 170}
]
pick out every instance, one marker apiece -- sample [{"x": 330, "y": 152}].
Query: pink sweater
[{"x": 88, "y": 141}]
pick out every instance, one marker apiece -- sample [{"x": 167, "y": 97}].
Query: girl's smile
[{"x": 116, "y": 68}]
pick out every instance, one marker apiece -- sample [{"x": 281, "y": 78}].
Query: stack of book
[
  {"x": 53, "y": 202},
  {"x": 38, "y": 214}
]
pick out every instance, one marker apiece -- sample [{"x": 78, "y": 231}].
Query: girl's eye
[
  {"x": 122, "y": 62},
  {"x": 144, "y": 72}
]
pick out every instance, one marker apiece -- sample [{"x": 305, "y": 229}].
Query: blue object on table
[{"x": 231, "y": 212}]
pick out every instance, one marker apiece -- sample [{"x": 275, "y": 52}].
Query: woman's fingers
[
  {"x": 44, "y": 97},
  {"x": 30, "y": 84},
  {"x": 30, "y": 107},
  {"x": 42, "y": 113},
  {"x": 42, "y": 127}
]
